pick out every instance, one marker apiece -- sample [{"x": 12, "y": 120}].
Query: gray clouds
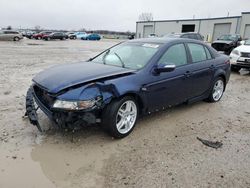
[{"x": 109, "y": 14}]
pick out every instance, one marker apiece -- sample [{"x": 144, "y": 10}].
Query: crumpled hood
[
  {"x": 223, "y": 41},
  {"x": 61, "y": 77}
]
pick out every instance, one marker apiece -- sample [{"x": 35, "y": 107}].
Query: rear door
[{"x": 201, "y": 68}]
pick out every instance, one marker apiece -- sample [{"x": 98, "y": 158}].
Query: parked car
[
  {"x": 29, "y": 34},
  {"x": 189, "y": 35},
  {"x": 240, "y": 56},
  {"x": 227, "y": 43},
  {"x": 54, "y": 36},
  {"x": 79, "y": 35},
  {"x": 40, "y": 35},
  {"x": 71, "y": 35},
  {"x": 92, "y": 36},
  {"x": 131, "y": 37},
  {"x": 133, "y": 78},
  {"x": 152, "y": 35},
  {"x": 10, "y": 35}
]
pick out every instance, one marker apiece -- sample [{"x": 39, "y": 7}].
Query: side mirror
[{"x": 165, "y": 68}]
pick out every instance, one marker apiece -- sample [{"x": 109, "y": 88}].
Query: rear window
[
  {"x": 198, "y": 52},
  {"x": 209, "y": 56}
]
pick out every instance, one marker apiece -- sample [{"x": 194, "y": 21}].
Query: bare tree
[
  {"x": 37, "y": 28},
  {"x": 146, "y": 16},
  {"x": 9, "y": 28}
]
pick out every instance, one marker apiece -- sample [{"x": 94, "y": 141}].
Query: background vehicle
[
  {"x": 54, "y": 36},
  {"x": 71, "y": 35},
  {"x": 189, "y": 35},
  {"x": 152, "y": 35},
  {"x": 92, "y": 36},
  {"x": 132, "y": 78},
  {"x": 240, "y": 56},
  {"x": 227, "y": 43},
  {"x": 40, "y": 35},
  {"x": 10, "y": 35},
  {"x": 29, "y": 34},
  {"x": 79, "y": 35}
]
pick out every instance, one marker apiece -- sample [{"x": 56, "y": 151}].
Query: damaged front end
[{"x": 71, "y": 108}]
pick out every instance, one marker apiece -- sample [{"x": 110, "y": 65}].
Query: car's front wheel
[
  {"x": 119, "y": 117},
  {"x": 217, "y": 90}
]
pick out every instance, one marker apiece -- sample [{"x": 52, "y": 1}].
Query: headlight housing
[
  {"x": 236, "y": 52},
  {"x": 74, "y": 105}
]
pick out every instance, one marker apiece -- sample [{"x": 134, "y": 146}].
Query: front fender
[{"x": 91, "y": 91}]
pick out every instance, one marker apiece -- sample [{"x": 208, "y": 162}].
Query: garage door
[
  {"x": 221, "y": 29},
  {"x": 247, "y": 32},
  {"x": 148, "y": 29}
]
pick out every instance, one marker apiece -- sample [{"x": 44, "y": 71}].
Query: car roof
[{"x": 164, "y": 40}]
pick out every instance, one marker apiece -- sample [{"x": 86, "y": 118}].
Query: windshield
[
  {"x": 128, "y": 55},
  {"x": 228, "y": 37},
  {"x": 247, "y": 42}
]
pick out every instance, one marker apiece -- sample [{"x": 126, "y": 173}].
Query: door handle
[
  {"x": 212, "y": 67},
  {"x": 188, "y": 74}
]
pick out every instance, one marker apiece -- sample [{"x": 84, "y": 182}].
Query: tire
[
  {"x": 48, "y": 38},
  {"x": 64, "y": 38},
  {"x": 39, "y": 38},
  {"x": 217, "y": 90},
  {"x": 117, "y": 113},
  {"x": 16, "y": 38}
]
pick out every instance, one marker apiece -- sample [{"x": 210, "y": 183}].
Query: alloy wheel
[
  {"x": 126, "y": 117},
  {"x": 218, "y": 90}
]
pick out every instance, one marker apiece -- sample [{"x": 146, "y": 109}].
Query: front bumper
[
  {"x": 240, "y": 62},
  {"x": 64, "y": 119}
]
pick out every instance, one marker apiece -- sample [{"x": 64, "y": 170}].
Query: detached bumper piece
[{"x": 31, "y": 110}]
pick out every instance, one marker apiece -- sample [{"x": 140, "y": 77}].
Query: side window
[
  {"x": 209, "y": 56},
  {"x": 197, "y": 52},
  {"x": 175, "y": 54}
]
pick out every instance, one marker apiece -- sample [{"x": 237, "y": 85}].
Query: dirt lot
[{"x": 161, "y": 152}]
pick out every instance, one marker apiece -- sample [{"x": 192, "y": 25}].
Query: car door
[
  {"x": 169, "y": 88},
  {"x": 201, "y": 69}
]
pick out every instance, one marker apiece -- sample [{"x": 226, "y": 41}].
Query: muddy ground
[{"x": 162, "y": 151}]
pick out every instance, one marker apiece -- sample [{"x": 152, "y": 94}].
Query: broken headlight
[{"x": 74, "y": 105}]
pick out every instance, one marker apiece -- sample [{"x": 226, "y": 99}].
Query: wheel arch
[
  {"x": 138, "y": 99},
  {"x": 221, "y": 74}
]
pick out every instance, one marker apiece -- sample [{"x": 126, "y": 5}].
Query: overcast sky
[{"x": 118, "y": 15}]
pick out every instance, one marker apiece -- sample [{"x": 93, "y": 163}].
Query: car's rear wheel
[
  {"x": 39, "y": 38},
  {"x": 217, "y": 90},
  {"x": 16, "y": 39},
  {"x": 119, "y": 117}
]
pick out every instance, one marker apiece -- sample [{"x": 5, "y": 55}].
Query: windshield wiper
[{"x": 123, "y": 64}]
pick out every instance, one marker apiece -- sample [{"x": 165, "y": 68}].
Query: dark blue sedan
[{"x": 130, "y": 79}]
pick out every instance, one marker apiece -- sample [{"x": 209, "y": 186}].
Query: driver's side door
[{"x": 169, "y": 88}]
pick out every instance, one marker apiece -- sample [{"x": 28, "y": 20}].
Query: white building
[{"x": 210, "y": 28}]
